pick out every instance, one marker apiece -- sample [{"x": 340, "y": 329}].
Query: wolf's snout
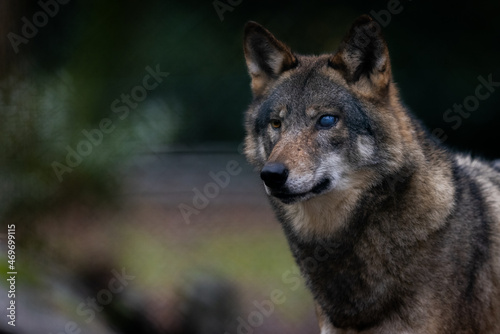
[{"x": 274, "y": 174}]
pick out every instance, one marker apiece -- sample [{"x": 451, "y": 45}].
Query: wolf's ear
[
  {"x": 266, "y": 57},
  {"x": 363, "y": 57}
]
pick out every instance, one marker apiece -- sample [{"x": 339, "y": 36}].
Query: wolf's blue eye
[{"x": 327, "y": 121}]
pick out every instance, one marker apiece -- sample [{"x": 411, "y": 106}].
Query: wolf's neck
[
  {"x": 421, "y": 195},
  {"x": 324, "y": 215}
]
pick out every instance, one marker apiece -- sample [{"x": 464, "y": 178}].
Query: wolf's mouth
[{"x": 289, "y": 198}]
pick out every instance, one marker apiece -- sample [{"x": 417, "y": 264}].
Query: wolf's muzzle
[{"x": 274, "y": 174}]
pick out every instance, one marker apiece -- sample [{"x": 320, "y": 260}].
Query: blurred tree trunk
[{"x": 11, "y": 12}]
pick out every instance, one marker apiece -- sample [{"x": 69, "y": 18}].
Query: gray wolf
[{"x": 393, "y": 232}]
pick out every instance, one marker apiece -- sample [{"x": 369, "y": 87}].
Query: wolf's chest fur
[
  {"x": 384, "y": 258},
  {"x": 392, "y": 232}
]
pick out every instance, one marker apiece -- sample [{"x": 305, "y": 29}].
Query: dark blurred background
[{"x": 121, "y": 133}]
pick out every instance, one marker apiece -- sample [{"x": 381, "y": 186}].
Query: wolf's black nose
[{"x": 274, "y": 174}]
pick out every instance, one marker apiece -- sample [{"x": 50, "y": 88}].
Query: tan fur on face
[
  {"x": 293, "y": 150},
  {"x": 324, "y": 215},
  {"x": 311, "y": 112},
  {"x": 366, "y": 148}
]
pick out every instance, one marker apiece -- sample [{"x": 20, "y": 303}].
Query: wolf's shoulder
[
  {"x": 496, "y": 164},
  {"x": 486, "y": 173},
  {"x": 474, "y": 164}
]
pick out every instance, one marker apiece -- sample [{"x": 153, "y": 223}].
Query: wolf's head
[{"x": 322, "y": 123}]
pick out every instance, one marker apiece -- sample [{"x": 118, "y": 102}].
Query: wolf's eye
[
  {"x": 327, "y": 121},
  {"x": 275, "y": 123}
]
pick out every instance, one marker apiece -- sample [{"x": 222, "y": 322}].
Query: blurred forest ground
[{"x": 119, "y": 204}]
